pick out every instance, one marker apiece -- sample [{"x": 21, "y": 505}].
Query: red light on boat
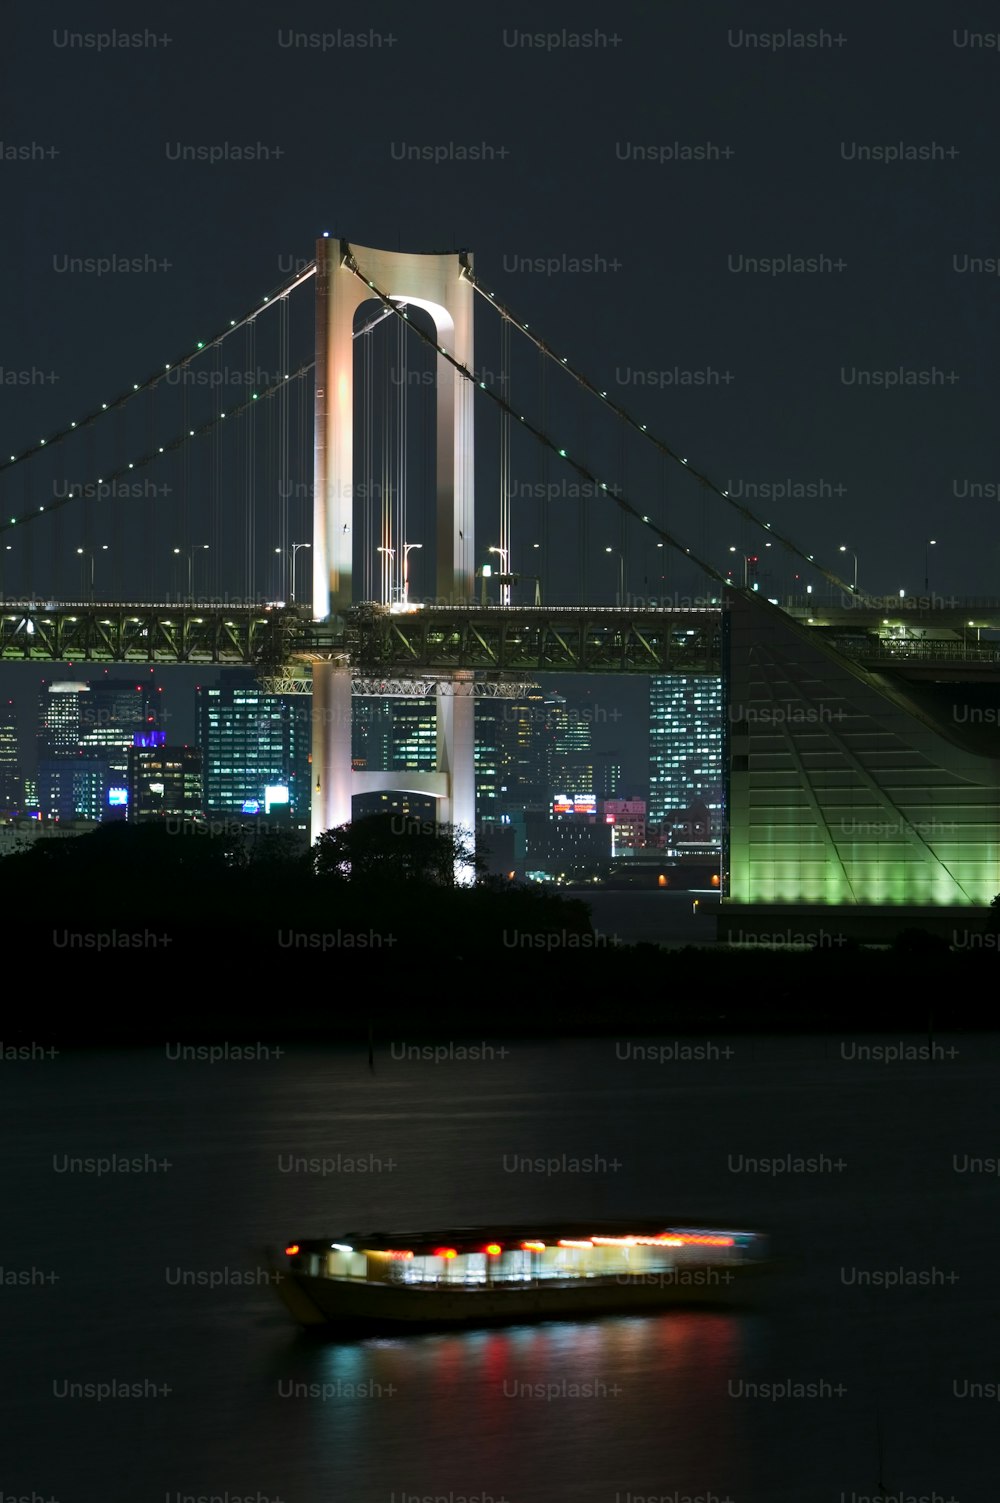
[
  {"x": 533, "y": 1246},
  {"x": 445, "y": 1252},
  {"x": 292, "y": 1250},
  {"x": 692, "y": 1239},
  {"x": 396, "y": 1254},
  {"x": 493, "y": 1248}
]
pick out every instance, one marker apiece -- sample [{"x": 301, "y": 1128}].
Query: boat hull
[{"x": 358, "y": 1305}]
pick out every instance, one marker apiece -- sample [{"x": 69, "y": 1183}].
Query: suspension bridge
[{"x": 362, "y": 414}]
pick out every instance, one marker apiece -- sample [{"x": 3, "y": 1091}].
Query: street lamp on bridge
[
  {"x": 295, "y": 551},
  {"x": 931, "y": 543},
  {"x": 845, "y": 548},
  {"x": 89, "y": 553},
  {"x": 504, "y": 575},
  {"x": 746, "y": 563},
  {"x": 281, "y": 587},
  {"x": 390, "y": 554},
  {"x": 189, "y": 554},
  {"x": 406, "y": 570},
  {"x": 621, "y": 573}
]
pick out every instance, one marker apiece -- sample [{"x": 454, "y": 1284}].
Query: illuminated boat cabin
[{"x": 564, "y": 1254}]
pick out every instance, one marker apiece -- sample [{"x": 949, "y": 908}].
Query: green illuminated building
[{"x": 854, "y": 787}]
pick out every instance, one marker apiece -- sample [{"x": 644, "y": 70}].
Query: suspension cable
[
  {"x": 165, "y": 448},
  {"x": 612, "y": 492},
  {"x": 660, "y": 444},
  {"x": 150, "y": 381}
]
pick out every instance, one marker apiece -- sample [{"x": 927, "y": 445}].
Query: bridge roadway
[
  {"x": 282, "y": 641},
  {"x": 374, "y": 639}
]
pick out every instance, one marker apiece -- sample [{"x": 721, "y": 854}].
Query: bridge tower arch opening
[
  {"x": 436, "y": 284},
  {"x": 346, "y": 278}
]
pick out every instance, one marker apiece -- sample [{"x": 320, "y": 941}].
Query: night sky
[{"x": 753, "y": 150}]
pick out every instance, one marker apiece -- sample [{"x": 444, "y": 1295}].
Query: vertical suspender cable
[
  {"x": 249, "y": 476},
  {"x": 385, "y": 487},
  {"x": 367, "y": 476},
  {"x": 400, "y": 528},
  {"x": 506, "y": 562},
  {"x": 623, "y": 537},
  {"x": 284, "y": 541},
  {"x": 217, "y": 495},
  {"x": 545, "y": 570}
]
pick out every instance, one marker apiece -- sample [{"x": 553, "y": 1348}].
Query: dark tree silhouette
[{"x": 393, "y": 848}]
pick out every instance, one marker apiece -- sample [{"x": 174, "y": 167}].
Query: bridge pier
[
  {"x": 334, "y": 782},
  {"x": 456, "y": 757},
  {"x": 331, "y": 747}
]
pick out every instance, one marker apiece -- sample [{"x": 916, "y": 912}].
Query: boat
[{"x": 487, "y": 1276}]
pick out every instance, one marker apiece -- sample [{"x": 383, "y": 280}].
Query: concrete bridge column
[
  {"x": 456, "y": 757},
  {"x": 331, "y": 747}
]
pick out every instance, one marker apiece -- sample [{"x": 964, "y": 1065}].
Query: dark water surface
[{"x": 669, "y": 1409}]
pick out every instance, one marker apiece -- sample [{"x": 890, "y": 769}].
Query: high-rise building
[
  {"x": 70, "y": 787},
  {"x": 685, "y": 746},
  {"x": 571, "y": 758},
  {"x": 252, "y": 741},
  {"x": 163, "y": 781},
  {"x": 523, "y": 738},
  {"x": 113, "y": 712},
  {"x": 60, "y": 717},
  {"x": 492, "y": 756},
  {"x": 70, "y": 782},
  {"x": 84, "y": 736},
  {"x": 412, "y": 734},
  {"x": 11, "y": 788},
  {"x": 369, "y": 732},
  {"x": 608, "y": 775}
]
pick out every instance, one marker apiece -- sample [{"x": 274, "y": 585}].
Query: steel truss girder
[
  {"x": 142, "y": 633},
  {"x": 510, "y": 641}
]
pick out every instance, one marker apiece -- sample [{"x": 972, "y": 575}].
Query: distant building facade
[
  {"x": 685, "y": 746},
  {"x": 252, "y": 742},
  {"x": 85, "y": 731},
  {"x": 164, "y": 782},
  {"x": 11, "y": 784}
]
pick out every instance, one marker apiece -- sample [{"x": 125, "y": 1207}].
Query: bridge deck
[{"x": 511, "y": 640}]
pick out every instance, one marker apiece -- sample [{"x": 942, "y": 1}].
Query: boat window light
[
  {"x": 292, "y": 1249},
  {"x": 397, "y": 1254},
  {"x": 568, "y": 1242},
  {"x": 493, "y": 1248},
  {"x": 699, "y": 1240},
  {"x": 341, "y": 1247},
  {"x": 533, "y": 1246}
]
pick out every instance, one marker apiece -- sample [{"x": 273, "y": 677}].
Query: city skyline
[{"x": 555, "y": 742}]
